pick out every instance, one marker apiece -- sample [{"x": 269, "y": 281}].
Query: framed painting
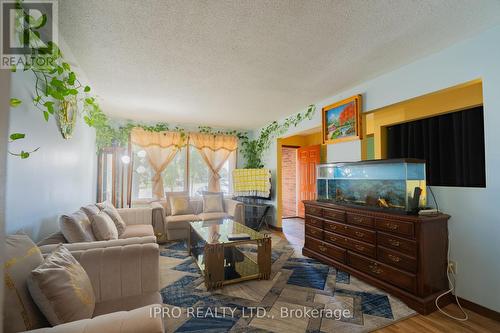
[{"x": 342, "y": 120}]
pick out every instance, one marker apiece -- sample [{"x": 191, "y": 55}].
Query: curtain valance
[
  {"x": 213, "y": 141},
  {"x": 145, "y": 138}
]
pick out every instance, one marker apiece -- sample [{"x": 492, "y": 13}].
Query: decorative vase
[{"x": 66, "y": 117}]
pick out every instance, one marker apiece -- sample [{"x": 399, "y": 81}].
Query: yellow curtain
[
  {"x": 215, "y": 150},
  {"x": 161, "y": 148}
]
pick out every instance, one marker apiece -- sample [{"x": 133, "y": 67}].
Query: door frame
[{"x": 300, "y": 140}]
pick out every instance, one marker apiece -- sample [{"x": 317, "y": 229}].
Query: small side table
[{"x": 256, "y": 215}]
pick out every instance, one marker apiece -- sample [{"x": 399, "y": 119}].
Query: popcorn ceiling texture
[{"x": 243, "y": 64}]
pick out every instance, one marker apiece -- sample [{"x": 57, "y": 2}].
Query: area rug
[{"x": 303, "y": 295}]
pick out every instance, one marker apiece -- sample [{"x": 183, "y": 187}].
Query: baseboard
[{"x": 479, "y": 309}]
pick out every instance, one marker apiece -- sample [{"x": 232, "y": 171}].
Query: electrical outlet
[{"x": 452, "y": 267}]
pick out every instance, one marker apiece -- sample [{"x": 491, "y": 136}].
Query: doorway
[{"x": 289, "y": 181}]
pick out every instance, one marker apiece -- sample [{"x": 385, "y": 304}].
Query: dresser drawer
[
  {"x": 350, "y": 244},
  {"x": 399, "y": 244},
  {"x": 334, "y": 252},
  {"x": 360, "y": 220},
  {"x": 314, "y": 221},
  {"x": 365, "y": 235},
  {"x": 314, "y": 232},
  {"x": 397, "y": 259},
  {"x": 313, "y": 210},
  {"x": 398, "y": 227},
  {"x": 333, "y": 214},
  {"x": 382, "y": 271}
]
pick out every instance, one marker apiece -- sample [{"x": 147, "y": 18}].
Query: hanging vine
[
  {"x": 254, "y": 149},
  {"x": 57, "y": 89}
]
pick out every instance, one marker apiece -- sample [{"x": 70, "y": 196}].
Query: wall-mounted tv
[{"x": 252, "y": 183}]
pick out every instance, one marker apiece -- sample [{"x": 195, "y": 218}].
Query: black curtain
[{"x": 451, "y": 144}]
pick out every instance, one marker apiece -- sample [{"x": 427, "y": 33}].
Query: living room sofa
[
  {"x": 125, "y": 281},
  {"x": 176, "y": 227},
  {"x": 139, "y": 230}
]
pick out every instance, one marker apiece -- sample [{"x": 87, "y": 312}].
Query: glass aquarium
[{"x": 394, "y": 185}]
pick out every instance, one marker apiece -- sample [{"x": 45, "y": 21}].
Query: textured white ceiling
[{"x": 242, "y": 64}]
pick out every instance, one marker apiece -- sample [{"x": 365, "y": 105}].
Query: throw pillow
[
  {"x": 117, "y": 219},
  {"x": 213, "y": 203},
  {"x": 103, "y": 227},
  {"x": 20, "y": 312},
  {"x": 91, "y": 210},
  {"x": 76, "y": 227},
  {"x": 179, "y": 205},
  {"x": 61, "y": 288}
]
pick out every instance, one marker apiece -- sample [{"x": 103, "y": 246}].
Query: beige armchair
[
  {"x": 168, "y": 227},
  {"x": 126, "y": 285}
]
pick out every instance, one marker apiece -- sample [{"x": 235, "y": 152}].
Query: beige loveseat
[
  {"x": 139, "y": 230},
  {"x": 126, "y": 285},
  {"x": 177, "y": 227},
  {"x": 125, "y": 281}
]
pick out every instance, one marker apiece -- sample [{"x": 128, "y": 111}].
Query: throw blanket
[{"x": 252, "y": 183}]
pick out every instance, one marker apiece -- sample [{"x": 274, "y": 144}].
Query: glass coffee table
[{"x": 223, "y": 261}]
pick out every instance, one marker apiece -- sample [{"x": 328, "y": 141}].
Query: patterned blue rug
[{"x": 285, "y": 303}]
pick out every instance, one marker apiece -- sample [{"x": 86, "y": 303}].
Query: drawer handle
[
  {"x": 393, "y": 242},
  {"x": 322, "y": 248},
  {"x": 333, "y": 239},
  {"x": 345, "y": 227},
  {"x": 394, "y": 258},
  {"x": 392, "y": 226},
  {"x": 359, "y": 247},
  {"x": 360, "y": 234},
  {"x": 375, "y": 269},
  {"x": 358, "y": 219},
  {"x": 334, "y": 227},
  {"x": 314, "y": 232}
]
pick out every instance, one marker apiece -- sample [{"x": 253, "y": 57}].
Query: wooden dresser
[{"x": 401, "y": 254}]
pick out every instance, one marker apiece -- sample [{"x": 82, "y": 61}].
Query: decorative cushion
[
  {"x": 117, "y": 219},
  {"x": 213, "y": 203},
  {"x": 61, "y": 288},
  {"x": 91, "y": 210},
  {"x": 179, "y": 205},
  {"x": 55, "y": 238},
  {"x": 20, "y": 312},
  {"x": 76, "y": 227},
  {"x": 104, "y": 228}
]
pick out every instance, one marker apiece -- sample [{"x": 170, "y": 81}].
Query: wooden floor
[{"x": 293, "y": 230}]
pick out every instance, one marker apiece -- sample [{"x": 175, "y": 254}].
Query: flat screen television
[{"x": 252, "y": 183}]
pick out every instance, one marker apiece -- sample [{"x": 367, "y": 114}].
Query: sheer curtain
[
  {"x": 161, "y": 148},
  {"x": 215, "y": 150}
]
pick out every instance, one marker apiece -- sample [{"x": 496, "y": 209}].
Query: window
[
  {"x": 451, "y": 144},
  {"x": 141, "y": 175},
  {"x": 177, "y": 177},
  {"x": 174, "y": 176},
  {"x": 199, "y": 173}
]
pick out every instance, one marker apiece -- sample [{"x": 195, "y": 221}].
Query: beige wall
[{"x": 4, "y": 130}]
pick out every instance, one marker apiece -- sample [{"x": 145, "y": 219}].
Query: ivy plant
[
  {"x": 254, "y": 149},
  {"x": 56, "y": 85}
]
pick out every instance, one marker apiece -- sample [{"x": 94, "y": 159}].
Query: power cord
[{"x": 449, "y": 275}]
